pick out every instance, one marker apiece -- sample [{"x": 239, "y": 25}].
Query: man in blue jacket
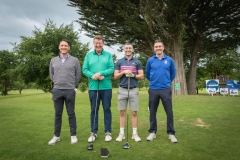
[{"x": 160, "y": 71}]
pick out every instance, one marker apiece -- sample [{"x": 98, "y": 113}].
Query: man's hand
[
  {"x": 101, "y": 78},
  {"x": 96, "y": 76},
  {"x": 128, "y": 73}
]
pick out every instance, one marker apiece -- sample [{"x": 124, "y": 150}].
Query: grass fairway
[{"x": 207, "y": 128}]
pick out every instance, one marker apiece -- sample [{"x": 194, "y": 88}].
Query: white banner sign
[
  {"x": 233, "y": 91},
  {"x": 212, "y": 83},
  {"x": 224, "y": 90}
]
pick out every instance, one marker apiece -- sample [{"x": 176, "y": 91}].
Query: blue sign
[
  {"x": 230, "y": 84},
  {"x": 212, "y": 84}
]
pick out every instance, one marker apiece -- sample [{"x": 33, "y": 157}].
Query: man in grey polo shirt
[
  {"x": 65, "y": 72},
  {"x": 128, "y": 67}
]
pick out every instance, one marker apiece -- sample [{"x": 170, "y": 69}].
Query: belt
[{"x": 129, "y": 87}]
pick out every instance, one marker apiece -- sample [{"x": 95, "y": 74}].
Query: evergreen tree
[{"x": 184, "y": 27}]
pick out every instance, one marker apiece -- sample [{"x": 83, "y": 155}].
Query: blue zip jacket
[{"x": 160, "y": 73}]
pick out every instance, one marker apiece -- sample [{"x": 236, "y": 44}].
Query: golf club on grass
[
  {"x": 90, "y": 147},
  {"x": 126, "y": 145}
]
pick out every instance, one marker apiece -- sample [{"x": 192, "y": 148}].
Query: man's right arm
[
  {"x": 148, "y": 67},
  {"x": 85, "y": 68},
  {"x": 51, "y": 70},
  {"x": 118, "y": 74}
]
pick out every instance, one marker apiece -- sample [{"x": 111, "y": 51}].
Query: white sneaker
[
  {"x": 120, "y": 137},
  {"x": 151, "y": 136},
  {"x": 136, "y": 137},
  {"x": 74, "y": 139},
  {"x": 54, "y": 140},
  {"x": 172, "y": 138},
  {"x": 108, "y": 137},
  {"x": 92, "y": 137}
]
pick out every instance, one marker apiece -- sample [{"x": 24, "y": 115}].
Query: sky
[{"x": 19, "y": 18}]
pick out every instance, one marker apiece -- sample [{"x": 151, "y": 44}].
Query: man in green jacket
[{"x": 98, "y": 66}]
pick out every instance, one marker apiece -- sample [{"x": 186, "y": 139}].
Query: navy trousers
[
  {"x": 59, "y": 97},
  {"x": 105, "y": 96},
  {"x": 166, "y": 97}
]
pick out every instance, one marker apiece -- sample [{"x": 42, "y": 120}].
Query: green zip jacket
[{"x": 103, "y": 64}]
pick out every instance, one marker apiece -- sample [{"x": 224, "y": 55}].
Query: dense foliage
[
  {"x": 35, "y": 52},
  {"x": 190, "y": 30}
]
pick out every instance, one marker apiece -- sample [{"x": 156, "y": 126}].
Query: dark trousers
[
  {"x": 59, "y": 96},
  {"x": 166, "y": 98},
  {"x": 105, "y": 96}
]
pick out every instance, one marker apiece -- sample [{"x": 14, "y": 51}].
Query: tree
[
  {"x": 140, "y": 84},
  {"x": 82, "y": 87},
  {"x": 19, "y": 85},
  {"x": 177, "y": 23},
  {"x": 114, "y": 58},
  {"x": 146, "y": 83},
  {"x": 219, "y": 63},
  {"x": 7, "y": 66},
  {"x": 119, "y": 23},
  {"x": 115, "y": 83},
  {"x": 35, "y": 52},
  {"x": 142, "y": 59},
  {"x": 137, "y": 22},
  {"x": 213, "y": 25}
]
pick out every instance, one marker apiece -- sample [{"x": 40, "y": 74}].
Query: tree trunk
[
  {"x": 191, "y": 86},
  {"x": 180, "y": 75},
  {"x": 5, "y": 86}
]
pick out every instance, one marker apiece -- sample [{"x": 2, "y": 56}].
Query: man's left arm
[
  {"x": 172, "y": 71},
  {"x": 139, "y": 75}
]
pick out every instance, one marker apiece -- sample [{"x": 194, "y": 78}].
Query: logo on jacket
[{"x": 165, "y": 61}]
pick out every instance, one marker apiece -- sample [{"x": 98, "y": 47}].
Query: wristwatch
[{"x": 134, "y": 75}]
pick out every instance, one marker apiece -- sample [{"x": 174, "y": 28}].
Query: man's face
[
  {"x": 98, "y": 45},
  {"x": 128, "y": 49},
  {"x": 158, "y": 48},
  {"x": 64, "y": 47}
]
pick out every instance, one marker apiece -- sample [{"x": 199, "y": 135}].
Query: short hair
[
  {"x": 64, "y": 40},
  {"x": 128, "y": 44},
  {"x": 98, "y": 37},
  {"x": 158, "y": 41}
]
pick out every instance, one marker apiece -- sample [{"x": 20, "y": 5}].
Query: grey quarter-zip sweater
[{"x": 65, "y": 75}]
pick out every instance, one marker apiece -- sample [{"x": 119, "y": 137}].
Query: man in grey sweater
[{"x": 65, "y": 72}]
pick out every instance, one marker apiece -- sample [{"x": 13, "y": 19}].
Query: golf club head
[
  {"x": 90, "y": 147},
  {"x": 126, "y": 146}
]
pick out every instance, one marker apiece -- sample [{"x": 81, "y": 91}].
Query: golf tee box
[{"x": 104, "y": 152}]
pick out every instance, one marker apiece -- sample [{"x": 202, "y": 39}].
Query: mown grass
[{"x": 207, "y": 127}]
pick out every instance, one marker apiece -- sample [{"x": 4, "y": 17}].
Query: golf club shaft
[
  {"x": 128, "y": 105},
  {"x": 94, "y": 120}
]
